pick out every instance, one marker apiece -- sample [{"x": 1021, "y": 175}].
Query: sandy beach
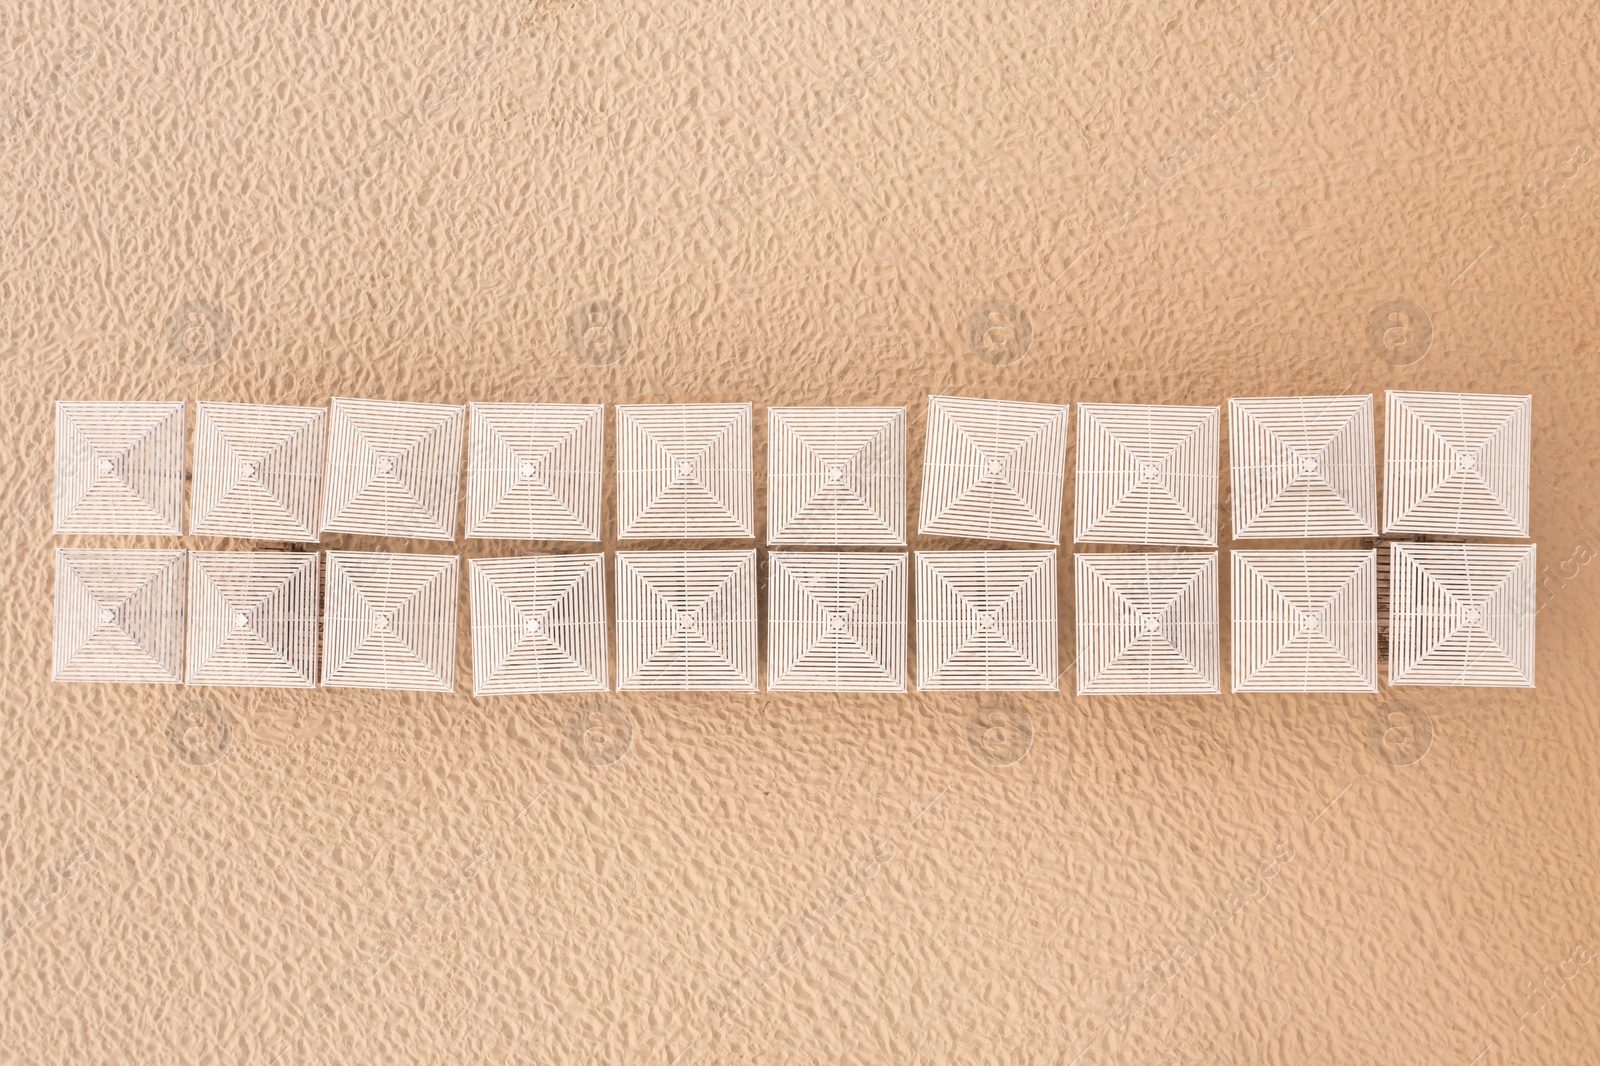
[{"x": 816, "y": 203}]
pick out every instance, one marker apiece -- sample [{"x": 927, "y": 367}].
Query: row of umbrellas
[{"x": 1303, "y": 620}]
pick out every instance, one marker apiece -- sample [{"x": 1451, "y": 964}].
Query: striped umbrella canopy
[
  {"x": 1147, "y": 474},
  {"x": 119, "y": 468},
  {"x": 994, "y": 470},
  {"x": 836, "y": 622},
  {"x": 684, "y": 471},
  {"x": 986, "y": 621},
  {"x": 836, "y": 475}
]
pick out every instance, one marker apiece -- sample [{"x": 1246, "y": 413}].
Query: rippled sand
[{"x": 812, "y": 203}]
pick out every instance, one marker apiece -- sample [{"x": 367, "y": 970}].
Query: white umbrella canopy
[
  {"x": 253, "y": 619},
  {"x": 836, "y": 475},
  {"x": 1147, "y": 623},
  {"x": 994, "y": 470},
  {"x": 394, "y": 469},
  {"x": 1456, "y": 464},
  {"x": 389, "y": 621},
  {"x": 1147, "y": 474},
  {"x": 539, "y": 624},
  {"x": 1303, "y": 466},
  {"x": 1462, "y": 614},
  {"x": 534, "y": 471},
  {"x": 684, "y": 471},
  {"x": 686, "y": 621},
  {"x": 836, "y": 622},
  {"x": 119, "y": 468},
  {"x": 258, "y": 471},
  {"x": 119, "y": 616},
  {"x": 986, "y": 621},
  {"x": 1305, "y": 621}
]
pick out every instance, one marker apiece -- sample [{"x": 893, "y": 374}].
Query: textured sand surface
[{"x": 799, "y": 203}]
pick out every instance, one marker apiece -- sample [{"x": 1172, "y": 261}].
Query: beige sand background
[{"x": 799, "y": 203}]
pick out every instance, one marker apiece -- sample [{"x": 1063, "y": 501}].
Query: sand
[{"x": 803, "y": 203}]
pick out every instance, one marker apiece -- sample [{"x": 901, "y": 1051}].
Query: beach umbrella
[
  {"x": 389, "y": 621},
  {"x": 253, "y": 619},
  {"x": 683, "y": 471},
  {"x": 836, "y": 475},
  {"x": 1147, "y": 623},
  {"x": 993, "y": 470},
  {"x": 119, "y": 468},
  {"x": 1305, "y": 621},
  {"x": 1147, "y": 474},
  {"x": 539, "y": 624},
  {"x": 1456, "y": 464},
  {"x": 534, "y": 470},
  {"x": 986, "y": 621},
  {"x": 686, "y": 621},
  {"x": 1462, "y": 614},
  {"x": 119, "y": 616},
  {"x": 394, "y": 469},
  {"x": 1303, "y": 466},
  {"x": 257, "y": 471},
  {"x": 836, "y": 622}
]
